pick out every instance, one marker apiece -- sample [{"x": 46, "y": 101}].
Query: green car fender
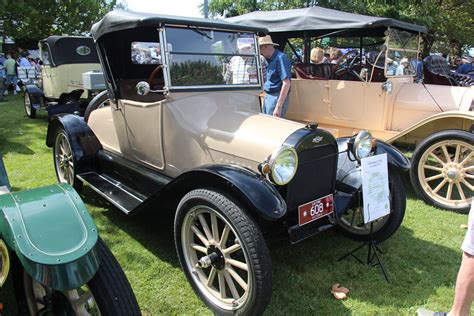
[{"x": 52, "y": 233}]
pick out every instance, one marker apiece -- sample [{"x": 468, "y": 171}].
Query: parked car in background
[
  {"x": 70, "y": 77},
  {"x": 180, "y": 136},
  {"x": 372, "y": 87},
  {"x": 50, "y": 248}
]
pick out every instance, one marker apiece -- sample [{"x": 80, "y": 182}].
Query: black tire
[
  {"x": 61, "y": 159},
  {"x": 28, "y": 104},
  {"x": 98, "y": 101},
  {"x": 451, "y": 172},
  {"x": 110, "y": 286},
  {"x": 252, "y": 249},
  {"x": 110, "y": 289},
  {"x": 383, "y": 227}
]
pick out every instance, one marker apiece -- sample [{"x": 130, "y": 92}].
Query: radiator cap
[{"x": 312, "y": 126}]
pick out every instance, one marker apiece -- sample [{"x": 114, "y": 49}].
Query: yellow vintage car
[
  {"x": 372, "y": 86},
  {"x": 71, "y": 75}
]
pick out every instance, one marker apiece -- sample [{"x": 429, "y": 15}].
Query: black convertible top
[
  {"x": 317, "y": 21},
  {"x": 122, "y": 20},
  {"x": 71, "y": 50}
]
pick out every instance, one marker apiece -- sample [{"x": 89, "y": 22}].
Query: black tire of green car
[
  {"x": 109, "y": 287},
  {"x": 351, "y": 222},
  {"x": 97, "y": 102},
  {"x": 253, "y": 251},
  {"x": 28, "y": 104},
  {"x": 444, "y": 137}
]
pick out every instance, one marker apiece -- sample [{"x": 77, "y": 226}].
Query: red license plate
[{"x": 313, "y": 210}]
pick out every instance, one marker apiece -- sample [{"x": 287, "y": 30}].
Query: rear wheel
[
  {"x": 442, "y": 170},
  {"x": 223, "y": 254},
  {"x": 352, "y": 220},
  {"x": 64, "y": 162},
  {"x": 107, "y": 293},
  {"x": 29, "y": 110}
]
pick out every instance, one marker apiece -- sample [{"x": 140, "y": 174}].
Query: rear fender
[
  {"x": 253, "y": 192},
  {"x": 84, "y": 143},
  {"x": 52, "y": 234}
]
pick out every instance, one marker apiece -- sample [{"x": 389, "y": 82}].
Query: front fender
[
  {"x": 84, "y": 143},
  {"x": 52, "y": 234},
  {"x": 248, "y": 188},
  {"x": 395, "y": 158},
  {"x": 349, "y": 175},
  {"x": 36, "y": 95},
  {"x": 3, "y": 176}
]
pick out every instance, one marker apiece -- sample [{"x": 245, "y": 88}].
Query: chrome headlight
[
  {"x": 362, "y": 145},
  {"x": 283, "y": 164}
]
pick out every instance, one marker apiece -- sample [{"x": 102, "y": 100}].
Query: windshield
[
  {"x": 402, "y": 53},
  {"x": 206, "y": 57}
]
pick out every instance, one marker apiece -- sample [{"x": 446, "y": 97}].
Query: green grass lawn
[{"x": 422, "y": 258}]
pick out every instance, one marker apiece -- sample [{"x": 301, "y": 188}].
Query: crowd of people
[{"x": 9, "y": 67}]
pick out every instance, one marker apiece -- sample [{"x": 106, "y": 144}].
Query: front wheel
[
  {"x": 107, "y": 293},
  {"x": 64, "y": 162},
  {"x": 29, "y": 110},
  {"x": 442, "y": 170},
  {"x": 352, "y": 220},
  {"x": 223, "y": 254}
]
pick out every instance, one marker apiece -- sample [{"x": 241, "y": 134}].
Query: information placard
[{"x": 375, "y": 191}]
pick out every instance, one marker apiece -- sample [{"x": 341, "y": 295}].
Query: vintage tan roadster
[
  {"x": 179, "y": 137},
  {"x": 372, "y": 87}
]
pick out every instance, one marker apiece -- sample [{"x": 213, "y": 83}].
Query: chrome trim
[{"x": 275, "y": 155}]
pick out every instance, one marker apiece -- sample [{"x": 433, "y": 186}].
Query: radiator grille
[{"x": 315, "y": 176}]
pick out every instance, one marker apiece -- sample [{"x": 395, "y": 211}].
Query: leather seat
[
  {"x": 436, "y": 71},
  {"x": 323, "y": 71}
]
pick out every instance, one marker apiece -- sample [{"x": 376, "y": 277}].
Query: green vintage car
[{"x": 50, "y": 247}]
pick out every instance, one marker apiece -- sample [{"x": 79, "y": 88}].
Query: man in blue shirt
[{"x": 277, "y": 84}]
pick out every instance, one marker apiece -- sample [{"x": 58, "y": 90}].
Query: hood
[
  {"x": 256, "y": 137},
  {"x": 221, "y": 127}
]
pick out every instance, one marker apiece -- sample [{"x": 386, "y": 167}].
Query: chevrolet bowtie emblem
[{"x": 317, "y": 139}]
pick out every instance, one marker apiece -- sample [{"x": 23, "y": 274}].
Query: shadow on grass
[
  {"x": 303, "y": 273},
  {"x": 154, "y": 231}
]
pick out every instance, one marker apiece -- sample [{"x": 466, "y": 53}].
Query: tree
[
  {"x": 28, "y": 22},
  {"x": 449, "y": 22}
]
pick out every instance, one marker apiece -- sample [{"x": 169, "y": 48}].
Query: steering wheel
[
  {"x": 346, "y": 63},
  {"x": 153, "y": 77}
]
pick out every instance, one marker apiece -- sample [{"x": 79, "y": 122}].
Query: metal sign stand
[{"x": 373, "y": 252}]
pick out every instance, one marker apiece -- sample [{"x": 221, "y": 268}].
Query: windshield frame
[
  {"x": 167, "y": 53},
  {"x": 388, "y": 49}
]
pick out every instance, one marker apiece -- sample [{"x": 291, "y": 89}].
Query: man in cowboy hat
[{"x": 277, "y": 84}]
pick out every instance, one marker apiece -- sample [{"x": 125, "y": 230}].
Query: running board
[{"x": 113, "y": 191}]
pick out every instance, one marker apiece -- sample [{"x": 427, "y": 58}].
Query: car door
[
  {"x": 138, "y": 126},
  {"x": 346, "y": 101}
]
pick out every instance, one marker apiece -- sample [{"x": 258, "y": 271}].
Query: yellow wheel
[{"x": 443, "y": 170}]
